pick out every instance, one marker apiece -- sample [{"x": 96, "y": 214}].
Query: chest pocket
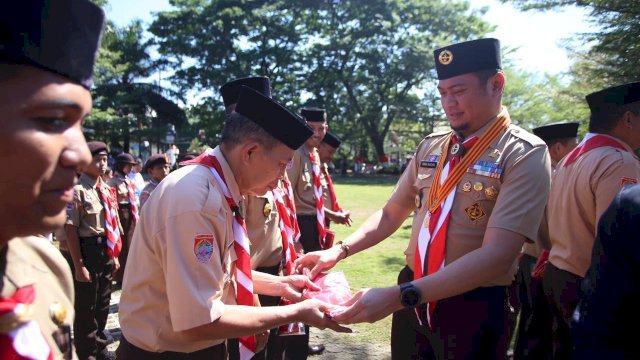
[
  {"x": 476, "y": 197},
  {"x": 92, "y": 203}
]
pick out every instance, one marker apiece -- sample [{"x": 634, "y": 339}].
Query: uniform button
[{"x": 516, "y": 131}]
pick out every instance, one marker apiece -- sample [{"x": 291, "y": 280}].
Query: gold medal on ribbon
[
  {"x": 266, "y": 210},
  {"x": 427, "y": 216},
  {"x": 58, "y": 313}
]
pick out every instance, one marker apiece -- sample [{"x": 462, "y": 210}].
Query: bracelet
[{"x": 344, "y": 247}]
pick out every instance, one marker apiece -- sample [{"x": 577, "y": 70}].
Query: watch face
[{"x": 410, "y": 297}]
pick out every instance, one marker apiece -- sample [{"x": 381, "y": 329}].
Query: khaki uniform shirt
[
  {"x": 87, "y": 212},
  {"x": 183, "y": 251},
  {"x": 514, "y": 202},
  {"x": 146, "y": 192},
  {"x": 328, "y": 204},
  {"x": 121, "y": 189},
  {"x": 301, "y": 176},
  {"x": 35, "y": 261},
  {"x": 261, "y": 219},
  {"x": 580, "y": 193}
]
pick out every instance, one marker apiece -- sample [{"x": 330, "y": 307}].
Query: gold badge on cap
[
  {"x": 474, "y": 212},
  {"x": 445, "y": 57},
  {"x": 491, "y": 193},
  {"x": 266, "y": 210},
  {"x": 478, "y": 186},
  {"x": 58, "y": 313},
  {"x": 466, "y": 187}
]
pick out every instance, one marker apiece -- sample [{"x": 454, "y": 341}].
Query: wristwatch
[{"x": 410, "y": 295}]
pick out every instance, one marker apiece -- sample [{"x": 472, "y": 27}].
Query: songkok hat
[
  {"x": 332, "y": 140},
  {"x": 231, "y": 90},
  {"x": 277, "y": 120},
  {"x": 61, "y": 36},
  {"x": 125, "y": 158},
  {"x": 154, "y": 160},
  {"x": 554, "y": 131},
  {"x": 98, "y": 148},
  {"x": 610, "y": 98},
  {"x": 467, "y": 57},
  {"x": 314, "y": 114}
]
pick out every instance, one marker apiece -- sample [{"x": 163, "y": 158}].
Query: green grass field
[{"x": 377, "y": 266}]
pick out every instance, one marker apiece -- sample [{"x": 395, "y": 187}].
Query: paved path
[{"x": 338, "y": 346}]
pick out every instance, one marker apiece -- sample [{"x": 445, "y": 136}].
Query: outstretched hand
[
  {"x": 368, "y": 305},
  {"x": 295, "y": 286},
  {"x": 318, "y": 261}
]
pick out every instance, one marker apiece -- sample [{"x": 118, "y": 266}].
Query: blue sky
[{"x": 537, "y": 35}]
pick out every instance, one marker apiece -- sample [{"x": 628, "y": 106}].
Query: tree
[
  {"x": 364, "y": 61},
  {"x": 615, "y": 56},
  {"x": 123, "y": 104}
]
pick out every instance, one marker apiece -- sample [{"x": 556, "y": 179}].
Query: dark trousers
[
  {"x": 92, "y": 300},
  {"x": 128, "y": 351},
  {"x": 473, "y": 325},
  {"x": 408, "y": 338},
  {"x": 309, "y": 235},
  {"x": 126, "y": 220},
  {"x": 298, "y": 345},
  {"x": 276, "y": 344},
  {"x": 562, "y": 289},
  {"x": 533, "y": 335}
]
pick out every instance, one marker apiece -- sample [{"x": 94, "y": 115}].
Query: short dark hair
[
  {"x": 605, "y": 121},
  {"x": 118, "y": 167},
  {"x": 238, "y": 128}
]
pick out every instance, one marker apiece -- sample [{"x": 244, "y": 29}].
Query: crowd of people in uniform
[{"x": 215, "y": 258}]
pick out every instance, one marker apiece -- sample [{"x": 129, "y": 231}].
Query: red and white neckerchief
[
  {"x": 291, "y": 206},
  {"x": 110, "y": 204},
  {"x": 244, "y": 291},
  {"x": 592, "y": 141},
  {"x": 332, "y": 192},
  {"x": 319, "y": 199},
  {"x": 131, "y": 190},
  {"x": 432, "y": 237},
  {"x": 20, "y": 335},
  {"x": 287, "y": 230}
]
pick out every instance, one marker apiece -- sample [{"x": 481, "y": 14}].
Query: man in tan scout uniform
[
  {"x": 127, "y": 206},
  {"x": 584, "y": 184},
  {"x": 262, "y": 225},
  {"x": 327, "y": 148},
  {"x": 94, "y": 262},
  {"x": 533, "y": 335},
  {"x": 192, "y": 265},
  {"x": 46, "y": 66},
  {"x": 491, "y": 200}
]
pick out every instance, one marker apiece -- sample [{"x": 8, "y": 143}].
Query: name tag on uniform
[{"x": 428, "y": 164}]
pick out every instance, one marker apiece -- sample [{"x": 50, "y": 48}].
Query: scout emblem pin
[
  {"x": 455, "y": 148},
  {"x": 466, "y": 187},
  {"x": 445, "y": 57}
]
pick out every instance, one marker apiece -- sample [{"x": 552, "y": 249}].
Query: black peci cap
[
  {"x": 613, "y": 97},
  {"x": 231, "y": 90},
  {"x": 125, "y": 158},
  {"x": 277, "y": 120},
  {"x": 154, "y": 160},
  {"x": 467, "y": 57},
  {"x": 332, "y": 140},
  {"x": 554, "y": 131},
  {"x": 62, "y": 36},
  {"x": 314, "y": 114},
  {"x": 98, "y": 148}
]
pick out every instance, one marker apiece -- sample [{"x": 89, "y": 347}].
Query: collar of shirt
[
  {"x": 228, "y": 175},
  {"x": 87, "y": 181}
]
